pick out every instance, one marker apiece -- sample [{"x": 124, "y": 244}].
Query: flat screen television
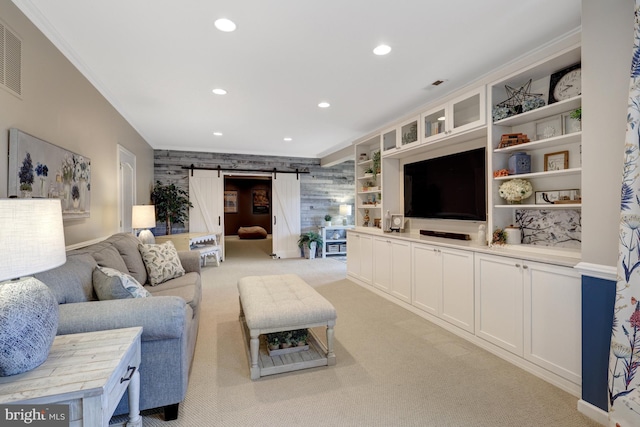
[{"x": 447, "y": 187}]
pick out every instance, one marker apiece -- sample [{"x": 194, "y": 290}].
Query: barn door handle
[
  {"x": 275, "y": 221},
  {"x": 219, "y": 220}
]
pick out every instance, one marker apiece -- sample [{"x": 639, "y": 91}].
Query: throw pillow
[
  {"x": 162, "y": 262},
  {"x": 110, "y": 283}
]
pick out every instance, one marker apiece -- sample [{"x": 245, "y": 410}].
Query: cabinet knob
[
  {"x": 525, "y": 266},
  {"x": 518, "y": 265}
]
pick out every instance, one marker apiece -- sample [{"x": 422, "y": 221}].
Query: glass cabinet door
[
  {"x": 409, "y": 132},
  {"x": 434, "y": 123},
  {"x": 468, "y": 111},
  {"x": 389, "y": 139}
]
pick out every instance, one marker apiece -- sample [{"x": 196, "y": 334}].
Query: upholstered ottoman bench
[{"x": 284, "y": 303}]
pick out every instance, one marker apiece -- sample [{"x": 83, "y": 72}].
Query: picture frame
[
  {"x": 570, "y": 125},
  {"x": 558, "y": 197},
  {"x": 549, "y": 127},
  {"x": 556, "y": 161},
  {"x": 40, "y": 169},
  {"x": 231, "y": 201},
  {"x": 260, "y": 202}
]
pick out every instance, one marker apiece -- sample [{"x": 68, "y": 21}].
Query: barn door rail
[{"x": 218, "y": 168}]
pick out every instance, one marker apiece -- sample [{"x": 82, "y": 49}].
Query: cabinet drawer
[{"x": 120, "y": 379}]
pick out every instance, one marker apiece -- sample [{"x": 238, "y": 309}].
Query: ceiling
[{"x": 157, "y": 62}]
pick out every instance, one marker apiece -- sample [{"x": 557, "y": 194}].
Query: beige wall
[
  {"x": 60, "y": 106},
  {"x": 607, "y": 39}
]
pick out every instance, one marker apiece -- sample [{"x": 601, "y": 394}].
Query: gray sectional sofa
[{"x": 169, "y": 317}]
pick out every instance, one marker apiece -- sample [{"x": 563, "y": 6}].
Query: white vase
[
  {"x": 83, "y": 195},
  {"x": 312, "y": 250}
]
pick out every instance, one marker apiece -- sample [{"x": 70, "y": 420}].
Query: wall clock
[{"x": 565, "y": 84}]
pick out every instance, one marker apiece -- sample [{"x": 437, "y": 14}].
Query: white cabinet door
[
  {"x": 286, "y": 215},
  {"x": 457, "y": 288},
  {"x": 467, "y": 111},
  {"x": 382, "y": 264},
  {"x": 426, "y": 265},
  {"x": 353, "y": 254},
  {"x": 552, "y": 313},
  {"x": 499, "y": 317},
  {"x": 366, "y": 258},
  {"x": 401, "y": 270},
  {"x": 360, "y": 256}
]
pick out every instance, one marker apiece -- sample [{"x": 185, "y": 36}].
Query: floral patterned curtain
[{"x": 624, "y": 356}]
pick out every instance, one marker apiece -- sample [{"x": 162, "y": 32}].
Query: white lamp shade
[
  {"x": 345, "y": 210},
  {"x": 31, "y": 237},
  {"x": 143, "y": 216}
]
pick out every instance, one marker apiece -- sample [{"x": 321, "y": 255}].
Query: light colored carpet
[{"x": 393, "y": 367}]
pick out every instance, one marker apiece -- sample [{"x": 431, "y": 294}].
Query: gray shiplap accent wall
[{"x": 322, "y": 190}]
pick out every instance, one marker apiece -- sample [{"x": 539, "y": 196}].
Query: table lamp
[
  {"x": 144, "y": 217},
  {"x": 345, "y": 210},
  {"x": 31, "y": 241}
]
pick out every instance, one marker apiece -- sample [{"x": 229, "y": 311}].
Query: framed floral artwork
[
  {"x": 40, "y": 169},
  {"x": 556, "y": 161}
]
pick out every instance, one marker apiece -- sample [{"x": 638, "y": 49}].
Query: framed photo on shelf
[
  {"x": 549, "y": 127},
  {"x": 557, "y": 197},
  {"x": 570, "y": 125},
  {"x": 556, "y": 161}
]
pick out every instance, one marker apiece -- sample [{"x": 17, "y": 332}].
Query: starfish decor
[{"x": 516, "y": 97}]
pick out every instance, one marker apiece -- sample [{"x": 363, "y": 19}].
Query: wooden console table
[{"x": 89, "y": 372}]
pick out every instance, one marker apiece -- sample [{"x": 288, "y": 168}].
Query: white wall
[
  {"x": 607, "y": 40},
  {"x": 60, "y": 106}
]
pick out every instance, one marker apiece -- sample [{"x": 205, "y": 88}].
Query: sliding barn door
[
  {"x": 206, "y": 190},
  {"x": 286, "y": 215}
]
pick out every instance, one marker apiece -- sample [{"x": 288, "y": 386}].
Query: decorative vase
[
  {"x": 67, "y": 196},
  {"x": 76, "y": 204},
  {"x": 519, "y": 162},
  {"x": 312, "y": 250},
  {"x": 28, "y": 325},
  {"x": 25, "y": 194},
  {"x": 43, "y": 191}
]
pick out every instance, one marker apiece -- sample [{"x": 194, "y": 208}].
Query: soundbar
[{"x": 457, "y": 236}]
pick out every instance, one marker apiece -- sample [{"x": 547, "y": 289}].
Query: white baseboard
[{"x": 593, "y": 412}]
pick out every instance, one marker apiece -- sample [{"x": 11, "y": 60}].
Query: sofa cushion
[
  {"x": 186, "y": 287},
  {"x": 107, "y": 255},
  {"x": 72, "y": 281},
  {"x": 113, "y": 284},
  {"x": 127, "y": 246},
  {"x": 162, "y": 262}
]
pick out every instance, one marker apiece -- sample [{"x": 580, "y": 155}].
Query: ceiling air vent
[{"x": 10, "y": 60}]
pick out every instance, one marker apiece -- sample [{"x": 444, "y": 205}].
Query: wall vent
[{"x": 10, "y": 60}]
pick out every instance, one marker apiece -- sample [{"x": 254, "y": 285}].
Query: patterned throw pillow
[
  {"x": 162, "y": 262},
  {"x": 110, "y": 283}
]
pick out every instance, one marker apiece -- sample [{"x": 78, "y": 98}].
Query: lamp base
[
  {"x": 146, "y": 237},
  {"x": 28, "y": 325}
]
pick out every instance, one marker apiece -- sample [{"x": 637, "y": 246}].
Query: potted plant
[
  {"x": 300, "y": 336},
  {"x": 309, "y": 242},
  {"x": 327, "y": 220},
  {"x": 273, "y": 341},
  {"x": 368, "y": 172},
  {"x": 376, "y": 162},
  {"x": 172, "y": 204}
]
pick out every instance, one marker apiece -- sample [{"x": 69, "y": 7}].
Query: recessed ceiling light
[
  {"x": 219, "y": 91},
  {"x": 324, "y": 105},
  {"x": 288, "y": 139},
  {"x": 217, "y": 133},
  {"x": 383, "y": 49},
  {"x": 224, "y": 24}
]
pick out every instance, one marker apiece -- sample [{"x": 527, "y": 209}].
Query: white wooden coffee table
[{"x": 89, "y": 372}]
